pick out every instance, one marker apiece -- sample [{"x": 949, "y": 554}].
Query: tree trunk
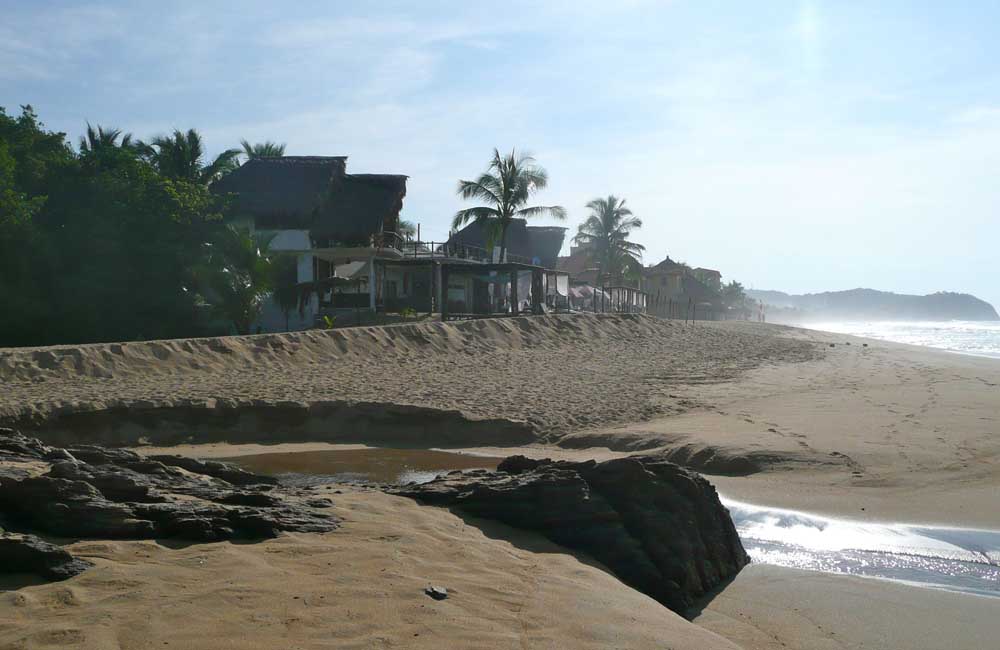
[
  {"x": 503, "y": 242},
  {"x": 498, "y": 288}
]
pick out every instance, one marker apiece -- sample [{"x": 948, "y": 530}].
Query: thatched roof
[
  {"x": 315, "y": 193},
  {"x": 360, "y": 205},
  {"x": 529, "y": 242}
]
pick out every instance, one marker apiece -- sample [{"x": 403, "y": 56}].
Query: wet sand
[{"x": 771, "y": 608}]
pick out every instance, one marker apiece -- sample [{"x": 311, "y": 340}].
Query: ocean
[{"x": 981, "y": 338}]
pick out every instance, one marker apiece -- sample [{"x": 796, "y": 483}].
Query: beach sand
[
  {"x": 884, "y": 432},
  {"x": 359, "y": 587}
]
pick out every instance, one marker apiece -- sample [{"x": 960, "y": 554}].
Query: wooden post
[
  {"x": 444, "y": 292},
  {"x": 536, "y": 291},
  {"x": 513, "y": 293}
]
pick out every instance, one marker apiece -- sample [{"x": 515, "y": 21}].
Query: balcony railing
[{"x": 441, "y": 250}]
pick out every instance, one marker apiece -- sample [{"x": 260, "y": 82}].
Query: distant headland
[{"x": 869, "y": 304}]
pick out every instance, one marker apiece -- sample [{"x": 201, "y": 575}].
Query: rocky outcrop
[
  {"x": 90, "y": 491},
  {"x": 658, "y": 527},
  {"x": 28, "y": 554}
]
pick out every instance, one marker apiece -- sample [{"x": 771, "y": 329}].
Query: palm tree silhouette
[{"x": 507, "y": 185}]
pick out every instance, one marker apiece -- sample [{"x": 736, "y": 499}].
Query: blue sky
[{"x": 801, "y": 145}]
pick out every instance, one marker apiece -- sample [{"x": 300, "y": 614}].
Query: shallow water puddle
[
  {"x": 956, "y": 559},
  {"x": 379, "y": 465}
]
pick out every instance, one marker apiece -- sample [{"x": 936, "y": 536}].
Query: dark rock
[
  {"x": 658, "y": 527},
  {"x": 319, "y": 503},
  {"x": 28, "y": 554},
  {"x": 256, "y": 499},
  {"x": 69, "y": 508},
  {"x": 224, "y": 471},
  {"x": 437, "y": 593},
  {"x": 91, "y": 491}
]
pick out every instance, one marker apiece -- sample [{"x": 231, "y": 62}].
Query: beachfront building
[
  {"x": 708, "y": 277},
  {"x": 336, "y": 225},
  {"x": 352, "y": 265},
  {"x": 581, "y": 265},
  {"x": 535, "y": 245},
  {"x": 530, "y": 281},
  {"x": 677, "y": 291}
]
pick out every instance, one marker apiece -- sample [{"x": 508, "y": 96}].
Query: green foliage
[
  {"x": 607, "y": 231},
  {"x": 286, "y": 292},
  {"x": 265, "y": 149},
  {"x": 406, "y": 229},
  {"x": 407, "y": 313},
  {"x": 506, "y": 187},
  {"x": 733, "y": 295},
  {"x": 37, "y": 152},
  {"x": 237, "y": 276},
  {"x": 329, "y": 322},
  {"x": 181, "y": 156},
  {"x": 97, "y": 246}
]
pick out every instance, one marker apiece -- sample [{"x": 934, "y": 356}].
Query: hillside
[{"x": 869, "y": 304}]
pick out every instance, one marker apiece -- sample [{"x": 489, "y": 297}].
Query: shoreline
[{"x": 981, "y": 354}]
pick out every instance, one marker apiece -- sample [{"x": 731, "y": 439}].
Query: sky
[{"x": 801, "y": 146}]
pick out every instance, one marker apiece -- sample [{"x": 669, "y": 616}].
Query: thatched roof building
[
  {"x": 538, "y": 245},
  {"x": 315, "y": 193}
]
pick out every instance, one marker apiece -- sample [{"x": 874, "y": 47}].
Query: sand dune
[{"x": 542, "y": 375}]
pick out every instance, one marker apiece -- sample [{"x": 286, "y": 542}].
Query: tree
[
  {"x": 181, "y": 156},
  {"x": 733, "y": 294},
  {"x": 238, "y": 275},
  {"x": 265, "y": 149},
  {"x": 507, "y": 185},
  {"x": 285, "y": 280},
  {"x": 96, "y": 246},
  {"x": 30, "y": 159},
  {"x": 100, "y": 139},
  {"x": 406, "y": 229},
  {"x": 606, "y": 231}
]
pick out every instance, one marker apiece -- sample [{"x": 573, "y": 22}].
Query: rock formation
[
  {"x": 658, "y": 527},
  {"x": 28, "y": 554},
  {"x": 89, "y": 491}
]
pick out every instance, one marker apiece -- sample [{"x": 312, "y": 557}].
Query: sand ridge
[{"x": 546, "y": 374}]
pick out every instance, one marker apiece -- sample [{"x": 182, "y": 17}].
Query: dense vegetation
[{"x": 121, "y": 241}]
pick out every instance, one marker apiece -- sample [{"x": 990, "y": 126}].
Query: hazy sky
[{"x": 802, "y": 145}]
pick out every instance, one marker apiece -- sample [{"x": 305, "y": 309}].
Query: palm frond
[
  {"x": 477, "y": 190},
  {"x": 481, "y": 214},
  {"x": 556, "y": 211}
]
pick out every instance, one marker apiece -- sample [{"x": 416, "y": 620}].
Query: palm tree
[
  {"x": 238, "y": 275},
  {"x": 606, "y": 232},
  {"x": 406, "y": 229},
  {"x": 100, "y": 140},
  {"x": 507, "y": 185},
  {"x": 265, "y": 149},
  {"x": 181, "y": 156}
]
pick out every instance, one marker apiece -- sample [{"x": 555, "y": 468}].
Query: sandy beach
[{"x": 772, "y": 415}]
